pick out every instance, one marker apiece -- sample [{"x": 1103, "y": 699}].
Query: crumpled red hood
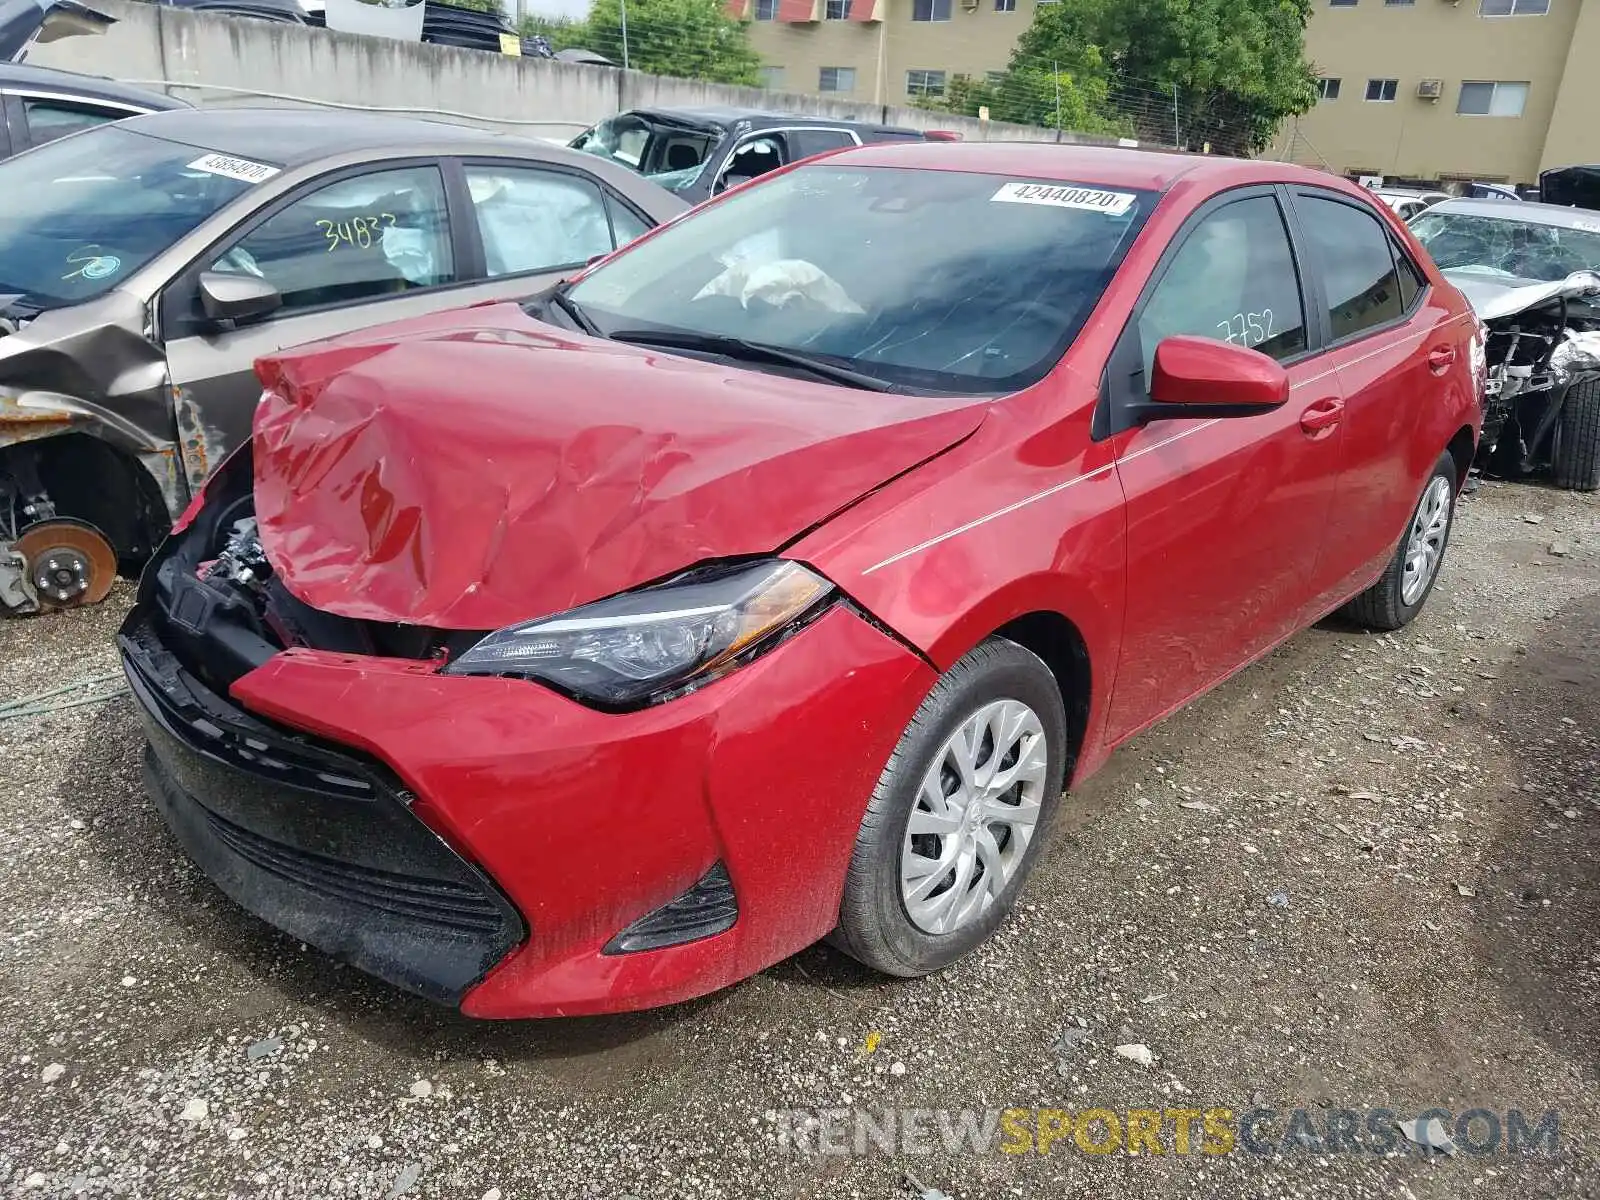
[{"x": 478, "y": 468}]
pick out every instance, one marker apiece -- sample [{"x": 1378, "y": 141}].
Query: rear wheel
[
  {"x": 1575, "y": 459},
  {"x": 1396, "y": 599},
  {"x": 958, "y": 816}
]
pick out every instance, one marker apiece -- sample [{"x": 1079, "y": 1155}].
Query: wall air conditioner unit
[
  {"x": 970, "y": 5},
  {"x": 1430, "y": 89}
]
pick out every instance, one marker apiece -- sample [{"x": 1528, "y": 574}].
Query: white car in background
[{"x": 1408, "y": 203}]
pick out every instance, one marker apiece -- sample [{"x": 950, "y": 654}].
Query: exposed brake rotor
[{"x": 70, "y": 563}]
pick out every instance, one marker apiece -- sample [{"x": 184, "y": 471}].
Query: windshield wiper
[
  {"x": 760, "y": 352},
  {"x": 570, "y": 307}
]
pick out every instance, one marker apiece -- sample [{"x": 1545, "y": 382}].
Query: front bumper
[
  {"x": 545, "y": 826},
  {"x": 320, "y": 843}
]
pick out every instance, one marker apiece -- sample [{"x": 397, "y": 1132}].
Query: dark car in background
[
  {"x": 1571, "y": 187},
  {"x": 145, "y": 265},
  {"x": 38, "y": 105},
  {"x": 699, "y": 152}
]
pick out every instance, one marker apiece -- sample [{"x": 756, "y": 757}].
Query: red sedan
[{"x": 768, "y": 581}]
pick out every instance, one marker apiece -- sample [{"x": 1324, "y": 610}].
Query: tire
[
  {"x": 876, "y": 924},
  {"x": 1384, "y": 605},
  {"x": 1575, "y": 462}
]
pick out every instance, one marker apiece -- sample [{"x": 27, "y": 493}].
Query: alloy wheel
[{"x": 1425, "y": 546}]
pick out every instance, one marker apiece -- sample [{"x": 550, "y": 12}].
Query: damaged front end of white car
[{"x": 1542, "y": 374}]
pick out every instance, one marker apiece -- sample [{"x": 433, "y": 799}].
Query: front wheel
[
  {"x": 1396, "y": 599},
  {"x": 956, "y": 821},
  {"x": 1575, "y": 460}
]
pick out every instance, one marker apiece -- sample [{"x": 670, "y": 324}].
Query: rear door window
[
  {"x": 755, "y": 156},
  {"x": 807, "y": 142},
  {"x": 536, "y": 220},
  {"x": 1411, "y": 278},
  {"x": 51, "y": 119},
  {"x": 1352, "y": 249}
]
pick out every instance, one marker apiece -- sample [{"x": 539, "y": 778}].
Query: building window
[
  {"x": 836, "y": 79},
  {"x": 772, "y": 78},
  {"x": 766, "y": 10},
  {"x": 1328, "y": 89},
  {"x": 924, "y": 83},
  {"x": 1383, "y": 90},
  {"x": 1399, "y": 3},
  {"x": 1005, "y": 5},
  {"x": 1514, "y": 8},
  {"x": 837, "y": 10},
  {"x": 930, "y": 10},
  {"x": 1482, "y": 99},
  {"x": 1341, "y": 3}
]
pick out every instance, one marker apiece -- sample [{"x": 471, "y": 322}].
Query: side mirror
[
  {"x": 1200, "y": 377},
  {"x": 226, "y": 296}
]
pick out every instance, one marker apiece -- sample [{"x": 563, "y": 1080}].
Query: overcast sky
[{"x": 551, "y": 8}]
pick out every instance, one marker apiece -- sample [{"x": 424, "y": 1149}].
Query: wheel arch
[
  {"x": 1463, "y": 447},
  {"x": 1061, "y": 646},
  {"x": 92, "y": 480},
  {"x": 1069, "y": 624}
]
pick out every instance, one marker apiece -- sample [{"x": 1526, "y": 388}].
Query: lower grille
[
  {"x": 437, "y": 902},
  {"x": 314, "y": 839}
]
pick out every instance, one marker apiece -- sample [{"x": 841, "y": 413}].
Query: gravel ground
[{"x": 1358, "y": 875}]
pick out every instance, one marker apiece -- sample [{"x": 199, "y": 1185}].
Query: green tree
[
  {"x": 1072, "y": 95},
  {"x": 1238, "y": 66},
  {"x": 690, "y": 39},
  {"x": 563, "y": 33},
  {"x": 487, "y": 6}
]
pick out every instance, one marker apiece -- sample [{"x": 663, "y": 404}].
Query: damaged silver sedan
[
  {"x": 1532, "y": 274},
  {"x": 146, "y": 265}
]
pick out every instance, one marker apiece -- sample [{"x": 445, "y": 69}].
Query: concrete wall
[{"x": 212, "y": 60}]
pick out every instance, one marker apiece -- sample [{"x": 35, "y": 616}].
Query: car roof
[
  {"x": 1528, "y": 212},
  {"x": 88, "y": 87},
  {"x": 1105, "y": 166},
  {"x": 291, "y": 137},
  {"x": 723, "y": 116}
]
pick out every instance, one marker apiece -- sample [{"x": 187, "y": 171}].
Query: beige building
[
  {"x": 882, "y": 51},
  {"x": 1417, "y": 89}
]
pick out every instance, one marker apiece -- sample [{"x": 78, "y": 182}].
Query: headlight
[{"x": 649, "y": 644}]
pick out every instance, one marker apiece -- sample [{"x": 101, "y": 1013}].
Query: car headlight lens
[{"x": 652, "y": 643}]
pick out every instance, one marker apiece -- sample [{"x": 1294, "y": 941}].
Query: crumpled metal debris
[
  {"x": 1137, "y": 1052},
  {"x": 406, "y": 1180},
  {"x": 265, "y": 1048},
  {"x": 1431, "y": 1136},
  {"x": 1067, "y": 1041},
  {"x": 1578, "y": 353},
  {"x": 921, "y": 1190}
]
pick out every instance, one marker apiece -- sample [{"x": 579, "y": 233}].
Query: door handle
[
  {"x": 1441, "y": 358},
  {"x": 1324, "y": 414}
]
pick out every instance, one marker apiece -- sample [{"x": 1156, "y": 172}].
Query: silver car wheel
[
  {"x": 976, "y": 811},
  {"x": 1425, "y": 547}
]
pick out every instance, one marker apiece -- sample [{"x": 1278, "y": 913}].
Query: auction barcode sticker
[
  {"x": 241, "y": 169},
  {"x": 1113, "y": 204}
]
